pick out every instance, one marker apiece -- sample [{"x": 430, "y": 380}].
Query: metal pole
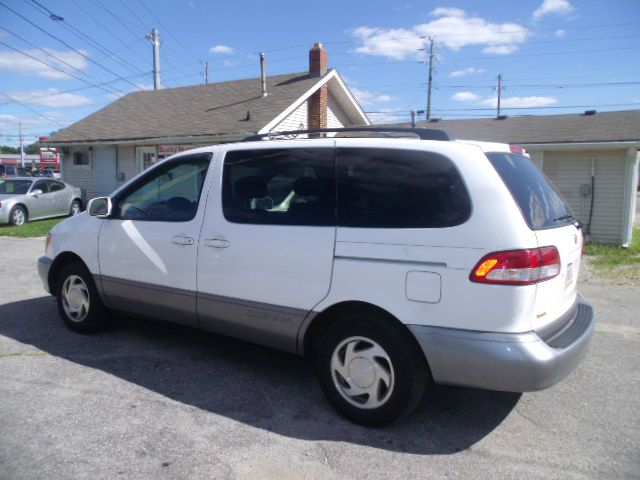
[
  {"x": 430, "y": 79},
  {"x": 206, "y": 72},
  {"x": 155, "y": 35},
  {"x": 21, "y": 144},
  {"x": 499, "y": 93},
  {"x": 413, "y": 119},
  {"x": 263, "y": 73}
]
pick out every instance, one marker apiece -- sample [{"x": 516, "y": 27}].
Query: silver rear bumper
[{"x": 504, "y": 361}]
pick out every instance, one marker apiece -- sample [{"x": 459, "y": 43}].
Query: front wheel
[
  {"x": 370, "y": 369},
  {"x": 79, "y": 303},
  {"x": 75, "y": 208}
]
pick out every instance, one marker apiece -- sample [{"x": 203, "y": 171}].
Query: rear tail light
[
  {"x": 518, "y": 267},
  {"x": 517, "y": 149}
]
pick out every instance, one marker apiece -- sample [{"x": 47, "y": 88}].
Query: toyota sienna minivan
[{"x": 391, "y": 263}]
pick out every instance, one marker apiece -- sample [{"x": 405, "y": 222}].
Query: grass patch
[
  {"x": 616, "y": 262},
  {"x": 38, "y": 228}
]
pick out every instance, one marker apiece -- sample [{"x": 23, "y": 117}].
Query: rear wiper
[{"x": 570, "y": 216}]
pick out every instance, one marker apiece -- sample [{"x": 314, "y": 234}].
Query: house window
[{"x": 80, "y": 158}]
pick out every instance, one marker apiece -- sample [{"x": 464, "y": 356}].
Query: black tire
[
  {"x": 72, "y": 208},
  {"x": 15, "y": 209},
  {"x": 409, "y": 366},
  {"x": 87, "y": 320}
]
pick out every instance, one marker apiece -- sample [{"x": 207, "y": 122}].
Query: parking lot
[{"x": 147, "y": 400}]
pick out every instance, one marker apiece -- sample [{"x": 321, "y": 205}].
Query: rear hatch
[{"x": 554, "y": 224}]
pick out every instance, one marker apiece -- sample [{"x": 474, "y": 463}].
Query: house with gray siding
[
  {"x": 592, "y": 158},
  {"x": 116, "y": 143}
]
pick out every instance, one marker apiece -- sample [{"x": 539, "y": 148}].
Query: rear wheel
[
  {"x": 75, "y": 208},
  {"x": 371, "y": 370},
  {"x": 18, "y": 216},
  {"x": 79, "y": 303}
]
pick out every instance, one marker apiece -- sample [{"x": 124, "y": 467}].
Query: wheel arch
[
  {"x": 62, "y": 260},
  {"x": 320, "y": 322},
  {"x": 23, "y": 206}
]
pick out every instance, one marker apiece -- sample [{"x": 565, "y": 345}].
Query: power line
[
  {"x": 64, "y": 43},
  {"x": 82, "y": 36},
  {"x": 56, "y": 68}
]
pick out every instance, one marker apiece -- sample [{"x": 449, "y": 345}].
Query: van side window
[
  {"x": 169, "y": 193},
  {"x": 389, "y": 188},
  {"x": 294, "y": 186}
]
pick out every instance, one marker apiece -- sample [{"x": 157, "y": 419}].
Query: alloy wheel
[
  {"x": 362, "y": 372},
  {"x": 75, "y": 298}
]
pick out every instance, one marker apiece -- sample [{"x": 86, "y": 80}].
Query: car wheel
[
  {"x": 75, "y": 209},
  {"x": 18, "y": 216},
  {"x": 79, "y": 303},
  {"x": 370, "y": 369}
]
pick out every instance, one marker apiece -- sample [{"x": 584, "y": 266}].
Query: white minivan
[{"x": 389, "y": 262}]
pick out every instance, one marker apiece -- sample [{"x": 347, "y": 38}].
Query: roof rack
[{"x": 422, "y": 133}]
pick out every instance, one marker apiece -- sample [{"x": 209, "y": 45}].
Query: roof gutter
[
  {"x": 581, "y": 145},
  {"x": 209, "y": 138}
]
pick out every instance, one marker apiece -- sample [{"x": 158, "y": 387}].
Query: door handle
[
  {"x": 178, "y": 240},
  {"x": 216, "y": 243}
]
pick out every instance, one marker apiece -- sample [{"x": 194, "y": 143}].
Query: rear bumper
[
  {"x": 44, "y": 265},
  {"x": 504, "y": 361}
]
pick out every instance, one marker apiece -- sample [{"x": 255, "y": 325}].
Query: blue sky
[{"x": 563, "y": 55}]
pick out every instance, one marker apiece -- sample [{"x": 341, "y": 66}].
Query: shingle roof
[
  {"x": 213, "y": 109},
  {"x": 601, "y": 127}
]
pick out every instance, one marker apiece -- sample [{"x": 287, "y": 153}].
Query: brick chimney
[{"x": 318, "y": 102}]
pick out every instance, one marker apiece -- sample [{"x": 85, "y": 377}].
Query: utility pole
[
  {"x": 154, "y": 36},
  {"x": 206, "y": 72},
  {"x": 499, "y": 93},
  {"x": 21, "y": 144},
  {"x": 429, "y": 85},
  {"x": 413, "y": 119}
]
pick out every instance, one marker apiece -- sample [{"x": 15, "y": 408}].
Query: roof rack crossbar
[{"x": 422, "y": 133}]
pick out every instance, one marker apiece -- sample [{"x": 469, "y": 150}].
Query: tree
[{"x": 8, "y": 149}]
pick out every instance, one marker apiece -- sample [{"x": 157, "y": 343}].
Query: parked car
[
  {"x": 52, "y": 173},
  {"x": 389, "y": 262},
  {"x": 24, "y": 199},
  {"x": 14, "y": 170}
]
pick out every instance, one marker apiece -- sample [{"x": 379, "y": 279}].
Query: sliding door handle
[
  {"x": 216, "y": 243},
  {"x": 178, "y": 240}
]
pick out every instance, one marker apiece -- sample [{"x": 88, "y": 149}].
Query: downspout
[{"x": 593, "y": 195}]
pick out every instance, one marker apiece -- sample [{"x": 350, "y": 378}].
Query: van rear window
[{"x": 541, "y": 204}]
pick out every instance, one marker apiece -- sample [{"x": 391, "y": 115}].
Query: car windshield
[{"x": 16, "y": 187}]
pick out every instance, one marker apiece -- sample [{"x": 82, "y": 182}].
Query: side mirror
[
  {"x": 100, "y": 207},
  {"x": 35, "y": 192}
]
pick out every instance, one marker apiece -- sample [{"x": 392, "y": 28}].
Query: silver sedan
[{"x": 23, "y": 199}]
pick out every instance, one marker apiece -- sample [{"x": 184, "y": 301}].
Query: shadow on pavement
[{"x": 250, "y": 384}]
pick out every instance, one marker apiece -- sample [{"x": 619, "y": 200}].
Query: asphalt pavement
[{"x": 148, "y": 400}]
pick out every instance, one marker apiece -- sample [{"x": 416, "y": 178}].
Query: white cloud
[
  {"x": 557, "y": 7},
  {"x": 505, "y": 102},
  {"x": 560, "y": 33},
  {"x": 51, "y": 97},
  {"x": 23, "y": 65},
  {"x": 367, "y": 98},
  {"x": 221, "y": 50},
  {"x": 453, "y": 29},
  {"x": 448, "y": 12},
  {"x": 520, "y": 102},
  {"x": 465, "y": 97},
  {"x": 466, "y": 71},
  {"x": 229, "y": 63}
]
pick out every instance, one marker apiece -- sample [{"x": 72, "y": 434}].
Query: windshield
[
  {"x": 16, "y": 187},
  {"x": 541, "y": 204}
]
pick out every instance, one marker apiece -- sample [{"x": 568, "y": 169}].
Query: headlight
[{"x": 47, "y": 242}]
